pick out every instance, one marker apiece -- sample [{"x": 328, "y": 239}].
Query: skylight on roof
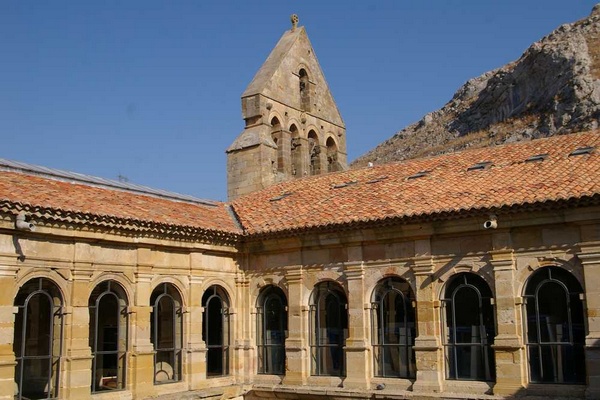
[
  {"x": 537, "y": 157},
  {"x": 419, "y": 174},
  {"x": 480, "y": 166},
  {"x": 281, "y": 196},
  {"x": 582, "y": 150},
  {"x": 343, "y": 185},
  {"x": 378, "y": 179}
]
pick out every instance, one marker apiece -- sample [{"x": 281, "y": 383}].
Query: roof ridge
[
  {"x": 110, "y": 184},
  {"x": 484, "y": 148}
]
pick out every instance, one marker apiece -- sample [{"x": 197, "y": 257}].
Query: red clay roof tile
[
  {"x": 384, "y": 192},
  {"x": 59, "y": 195}
]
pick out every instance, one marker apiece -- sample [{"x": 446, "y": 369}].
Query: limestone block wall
[
  {"x": 302, "y": 144},
  {"x": 428, "y": 256},
  {"x": 76, "y": 261}
]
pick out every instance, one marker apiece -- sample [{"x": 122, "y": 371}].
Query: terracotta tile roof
[
  {"x": 83, "y": 199},
  {"x": 448, "y": 186}
]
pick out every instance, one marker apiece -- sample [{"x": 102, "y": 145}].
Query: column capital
[
  {"x": 142, "y": 277},
  {"x": 294, "y": 274},
  {"x": 242, "y": 281},
  {"x": 422, "y": 266},
  {"x": 82, "y": 272},
  {"x": 196, "y": 280},
  {"x": 502, "y": 260},
  {"x": 589, "y": 253},
  {"x": 354, "y": 270}
]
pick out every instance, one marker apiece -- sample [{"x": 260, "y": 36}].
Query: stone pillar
[
  {"x": 508, "y": 344},
  {"x": 77, "y": 367},
  {"x": 7, "y": 323},
  {"x": 590, "y": 258},
  {"x": 322, "y": 160},
  {"x": 141, "y": 370},
  {"x": 284, "y": 152},
  {"x": 296, "y": 344},
  {"x": 358, "y": 356},
  {"x": 300, "y": 157},
  {"x": 428, "y": 349},
  {"x": 196, "y": 348},
  {"x": 242, "y": 367}
]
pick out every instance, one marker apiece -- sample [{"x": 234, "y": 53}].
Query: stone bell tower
[{"x": 293, "y": 127}]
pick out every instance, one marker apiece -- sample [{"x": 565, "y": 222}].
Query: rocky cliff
[{"x": 553, "y": 89}]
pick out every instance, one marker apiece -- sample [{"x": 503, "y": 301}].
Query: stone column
[
  {"x": 196, "y": 348},
  {"x": 428, "y": 349},
  {"x": 284, "y": 152},
  {"x": 296, "y": 344},
  {"x": 299, "y": 157},
  {"x": 358, "y": 356},
  {"x": 242, "y": 366},
  {"x": 322, "y": 160},
  {"x": 7, "y": 323},
  {"x": 77, "y": 367},
  {"x": 589, "y": 255},
  {"x": 508, "y": 345},
  {"x": 141, "y": 371}
]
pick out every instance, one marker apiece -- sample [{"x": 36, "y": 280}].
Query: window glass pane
[
  {"x": 553, "y": 313},
  {"x": 328, "y": 310},
  {"x": 470, "y": 329},
  {"x": 214, "y": 336},
  {"x": 39, "y": 326},
  {"x": 555, "y": 327}
]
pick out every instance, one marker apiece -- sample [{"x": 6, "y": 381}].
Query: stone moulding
[{"x": 118, "y": 225}]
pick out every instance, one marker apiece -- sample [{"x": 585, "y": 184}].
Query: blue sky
[{"x": 151, "y": 89}]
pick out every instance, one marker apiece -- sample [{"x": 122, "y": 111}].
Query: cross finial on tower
[{"x": 294, "y": 19}]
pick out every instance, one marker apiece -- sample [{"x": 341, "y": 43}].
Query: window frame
[
  {"x": 25, "y": 295},
  {"x": 168, "y": 292},
  {"x": 218, "y": 293},
  {"x": 122, "y": 334},
  {"x": 317, "y": 342},
  {"x": 380, "y": 327},
  {"x": 486, "y": 331},
  {"x": 263, "y": 348},
  {"x": 573, "y": 291}
]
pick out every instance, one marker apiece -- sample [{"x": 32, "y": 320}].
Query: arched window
[
  {"x": 332, "y": 161},
  {"x": 38, "y": 339},
  {"x": 329, "y": 329},
  {"x": 215, "y": 330},
  {"x": 469, "y": 329},
  {"x": 393, "y": 329},
  {"x": 271, "y": 330},
  {"x": 166, "y": 333},
  {"x": 314, "y": 151},
  {"x": 555, "y": 327},
  {"x": 304, "y": 84},
  {"x": 276, "y": 136},
  {"x": 108, "y": 336}
]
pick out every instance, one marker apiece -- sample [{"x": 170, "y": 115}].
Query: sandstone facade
[
  {"x": 293, "y": 127},
  {"x": 471, "y": 275}
]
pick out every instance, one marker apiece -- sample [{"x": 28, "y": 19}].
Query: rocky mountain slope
[{"x": 553, "y": 89}]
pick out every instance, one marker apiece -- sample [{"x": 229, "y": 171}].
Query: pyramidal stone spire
[{"x": 292, "y": 125}]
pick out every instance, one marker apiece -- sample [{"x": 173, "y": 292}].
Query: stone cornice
[{"x": 57, "y": 218}]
